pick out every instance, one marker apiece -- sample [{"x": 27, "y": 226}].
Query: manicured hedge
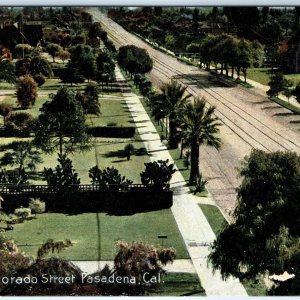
[{"x": 115, "y": 132}]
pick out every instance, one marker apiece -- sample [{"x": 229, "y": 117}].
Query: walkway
[
  {"x": 196, "y": 232},
  {"x": 179, "y": 265}
]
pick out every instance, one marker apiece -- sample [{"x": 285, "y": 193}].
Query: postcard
[{"x": 149, "y": 151}]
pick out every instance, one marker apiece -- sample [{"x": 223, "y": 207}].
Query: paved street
[{"x": 249, "y": 119}]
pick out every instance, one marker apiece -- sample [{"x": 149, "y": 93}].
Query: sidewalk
[
  {"x": 195, "y": 230},
  {"x": 178, "y": 266},
  {"x": 262, "y": 89}
]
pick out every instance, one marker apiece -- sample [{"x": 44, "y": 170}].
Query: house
[
  {"x": 184, "y": 22},
  {"x": 12, "y": 34},
  {"x": 216, "y": 27}
]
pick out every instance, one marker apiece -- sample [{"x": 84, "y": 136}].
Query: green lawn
[
  {"x": 262, "y": 75},
  {"x": 113, "y": 113},
  {"x": 214, "y": 217},
  {"x": 179, "y": 284},
  {"x": 83, "y": 231}
]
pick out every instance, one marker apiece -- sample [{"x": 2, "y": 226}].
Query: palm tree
[
  {"x": 172, "y": 99},
  {"x": 7, "y": 71},
  {"x": 199, "y": 127}
]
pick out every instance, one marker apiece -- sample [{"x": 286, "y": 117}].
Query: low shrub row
[{"x": 113, "y": 132}]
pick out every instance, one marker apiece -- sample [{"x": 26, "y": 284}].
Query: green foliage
[
  {"x": 278, "y": 84},
  {"x": 19, "y": 123},
  {"x": 91, "y": 103},
  {"x": 39, "y": 79},
  {"x": 158, "y": 174},
  {"x": 264, "y": 236},
  {"x": 105, "y": 67},
  {"x": 40, "y": 65},
  {"x": 134, "y": 60},
  {"x": 199, "y": 126},
  {"x": 61, "y": 124},
  {"x": 37, "y": 206},
  {"x": 82, "y": 59},
  {"x": 7, "y": 71},
  {"x": 107, "y": 176},
  {"x": 169, "y": 103},
  {"x": 63, "y": 179},
  {"x": 53, "y": 49},
  {"x": 23, "y": 155},
  {"x": 5, "y": 109},
  {"x": 22, "y": 50},
  {"x": 52, "y": 246},
  {"x": 200, "y": 185},
  {"x": 26, "y": 91},
  {"x": 14, "y": 177},
  {"x": 23, "y": 212}
]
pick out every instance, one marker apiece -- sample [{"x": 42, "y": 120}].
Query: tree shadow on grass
[{"x": 117, "y": 153}]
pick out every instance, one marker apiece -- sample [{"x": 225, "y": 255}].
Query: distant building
[{"x": 12, "y": 34}]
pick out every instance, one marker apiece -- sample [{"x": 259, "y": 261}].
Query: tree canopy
[
  {"x": 61, "y": 124},
  {"x": 134, "y": 60},
  {"x": 264, "y": 235}
]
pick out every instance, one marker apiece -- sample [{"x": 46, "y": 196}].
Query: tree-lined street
[{"x": 250, "y": 120}]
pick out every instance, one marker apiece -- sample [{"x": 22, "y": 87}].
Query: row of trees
[
  {"x": 230, "y": 52},
  {"x": 190, "y": 122}
]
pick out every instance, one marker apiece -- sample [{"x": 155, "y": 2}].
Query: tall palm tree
[
  {"x": 199, "y": 127},
  {"x": 7, "y": 71},
  {"x": 172, "y": 98}
]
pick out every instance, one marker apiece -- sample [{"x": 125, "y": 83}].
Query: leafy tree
[
  {"x": 257, "y": 50},
  {"x": 158, "y": 173},
  {"x": 243, "y": 58},
  {"x": 23, "y": 155},
  {"x": 128, "y": 150},
  {"x": 83, "y": 60},
  {"x": 53, "y": 49},
  {"x": 90, "y": 100},
  {"x": 19, "y": 122},
  {"x": 134, "y": 60},
  {"x": 278, "y": 84},
  {"x": 7, "y": 71},
  {"x": 199, "y": 127},
  {"x": 264, "y": 235},
  {"x": 5, "y": 109},
  {"x": 40, "y": 65},
  {"x": 63, "y": 55},
  {"x": 23, "y": 66},
  {"x": 169, "y": 103},
  {"x": 26, "y": 91},
  {"x": 105, "y": 67},
  {"x": 61, "y": 124},
  {"x": 108, "y": 176},
  {"x": 63, "y": 179},
  {"x": 70, "y": 75},
  {"x": 23, "y": 50}
]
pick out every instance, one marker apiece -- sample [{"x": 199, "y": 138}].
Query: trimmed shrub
[
  {"x": 23, "y": 212},
  {"x": 117, "y": 132},
  {"x": 39, "y": 79},
  {"x": 37, "y": 206}
]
